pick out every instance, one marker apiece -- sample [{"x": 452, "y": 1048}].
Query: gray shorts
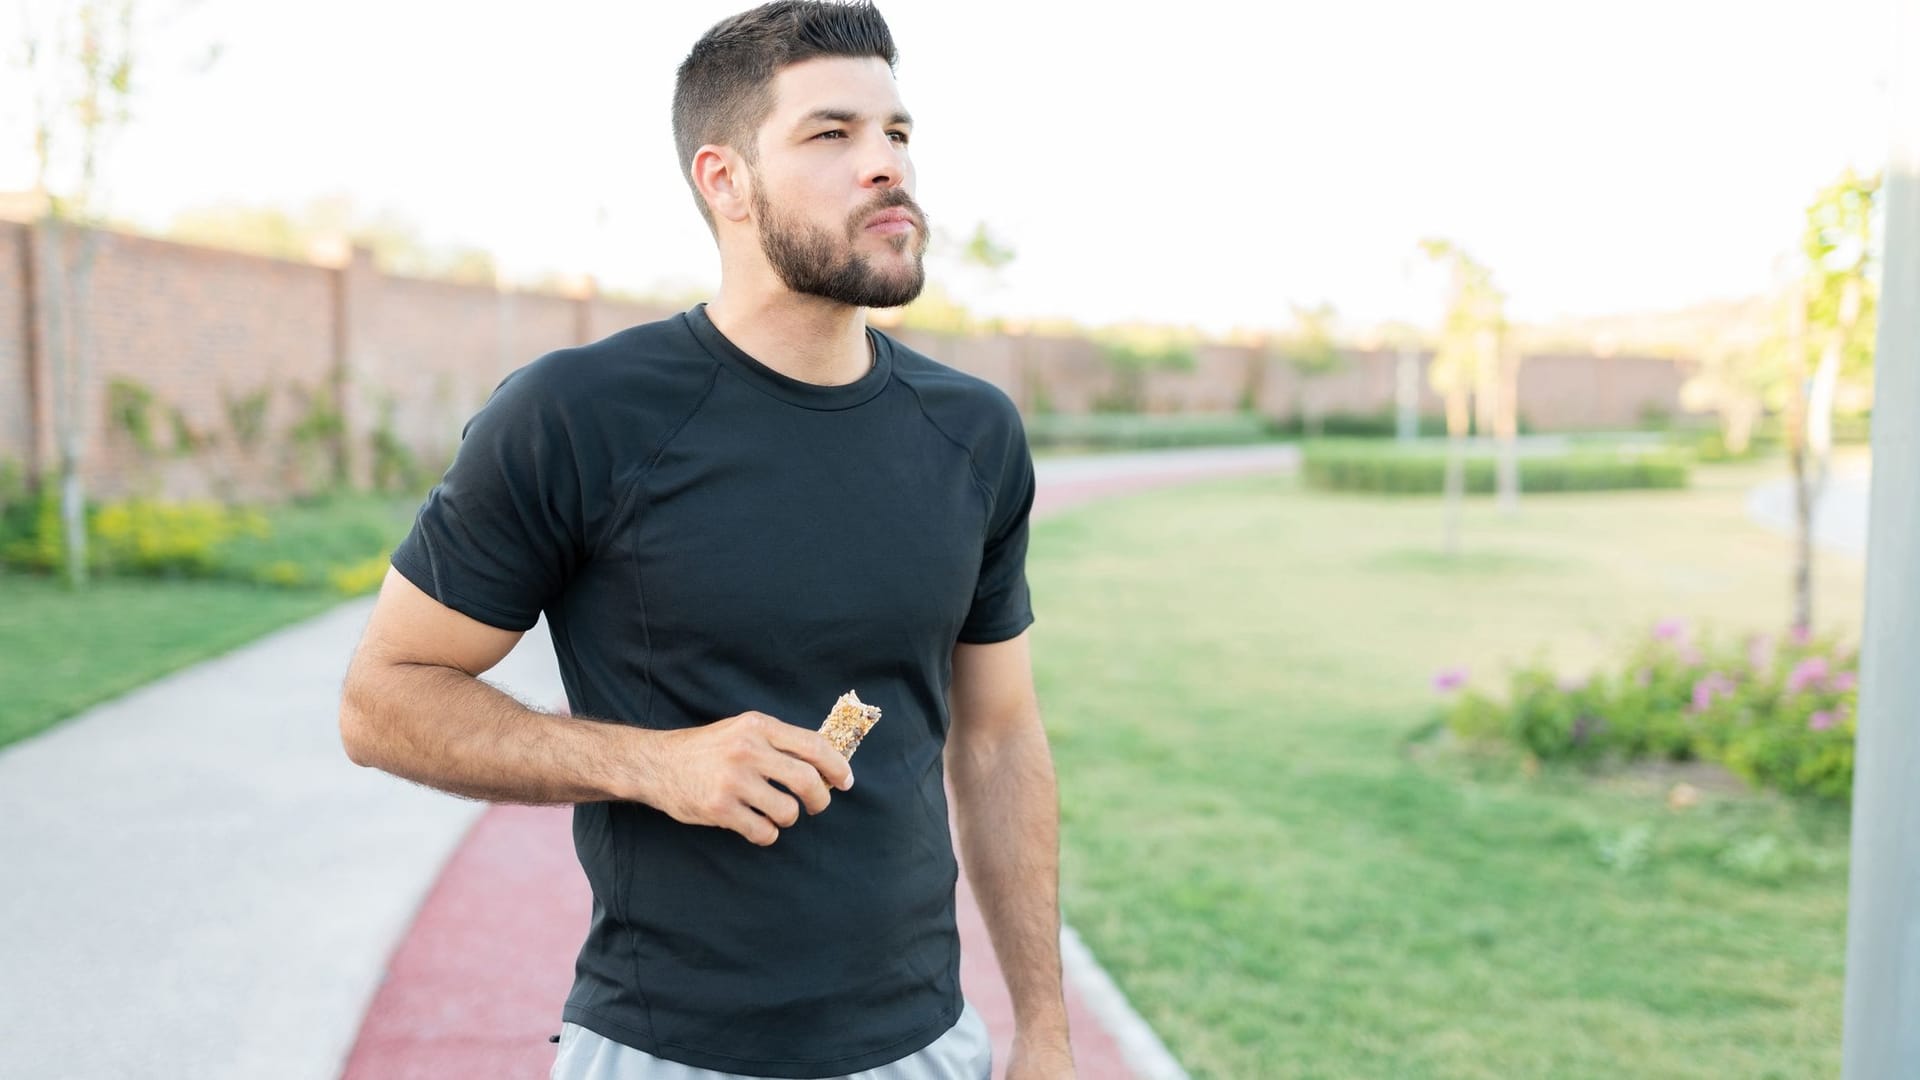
[{"x": 963, "y": 1053}]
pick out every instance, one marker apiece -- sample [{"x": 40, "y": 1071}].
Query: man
[{"x": 729, "y": 518}]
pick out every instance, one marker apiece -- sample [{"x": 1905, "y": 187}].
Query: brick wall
[{"x": 200, "y": 327}]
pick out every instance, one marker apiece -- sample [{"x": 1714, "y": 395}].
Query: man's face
[{"x": 833, "y": 189}]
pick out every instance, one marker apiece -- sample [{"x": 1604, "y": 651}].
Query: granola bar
[{"x": 849, "y": 722}]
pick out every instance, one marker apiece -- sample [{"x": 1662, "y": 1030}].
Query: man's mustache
[{"x": 888, "y": 200}]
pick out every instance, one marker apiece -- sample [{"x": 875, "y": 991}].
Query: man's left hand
[{"x": 1043, "y": 1058}]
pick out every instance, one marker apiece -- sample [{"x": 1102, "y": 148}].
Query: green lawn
[
  {"x": 65, "y": 651},
  {"x": 1282, "y": 889}
]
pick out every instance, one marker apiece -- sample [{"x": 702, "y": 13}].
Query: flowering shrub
[
  {"x": 132, "y": 536},
  {"x": 145, "y": 536},
  {"x": 1779, "y": 712}
]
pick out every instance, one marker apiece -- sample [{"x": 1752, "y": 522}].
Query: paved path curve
[
  {"x": 1839, "y": 518},
  {"x": 198, "y": 883}
]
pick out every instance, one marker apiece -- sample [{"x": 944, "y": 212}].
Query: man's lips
[{"x": 889, "y": 222}]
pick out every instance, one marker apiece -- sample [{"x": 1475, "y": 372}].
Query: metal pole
[{"x": 1882, "y": 1034}]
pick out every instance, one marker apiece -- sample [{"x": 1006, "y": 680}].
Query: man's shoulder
[{"x": 652, "y": 365}]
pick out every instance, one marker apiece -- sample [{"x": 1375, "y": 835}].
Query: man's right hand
[{"x": 724, "y": 774}]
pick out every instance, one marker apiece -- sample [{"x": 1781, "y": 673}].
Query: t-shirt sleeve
[
  {"x": 504, "y": 530},
  {"x": 1002, "y": 607}
]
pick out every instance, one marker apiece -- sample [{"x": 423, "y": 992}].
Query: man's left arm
[{"x": 1008, "y": 817}]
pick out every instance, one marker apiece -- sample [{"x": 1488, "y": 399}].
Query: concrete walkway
[
  {"x": 1839, "y": 518},
  {"x": 199, "y": 884}
]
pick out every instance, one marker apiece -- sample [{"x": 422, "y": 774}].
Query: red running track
[{"x": 474, "y": 989}]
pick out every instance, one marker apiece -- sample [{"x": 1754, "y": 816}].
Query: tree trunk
[
  {"x": 1737, "y": 420},
  {"x": 1407, "y": 395},
  {"x": 1826, "y": 380},
  {"x": 1456, "y": 483},
  {"x": 1803, "y": 493},
  {"x": 67, "y": 370},
  {"x": 1486, "y": 386},
  {"x": 1506, "y": 425}
]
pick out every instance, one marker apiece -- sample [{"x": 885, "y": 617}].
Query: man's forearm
[
  {"x": 449, "y": 730},
  {"x": 1008, "y": 814}
]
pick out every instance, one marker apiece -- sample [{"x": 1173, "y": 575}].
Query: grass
[
  {"x": 66, "y": 651},
  {"x": 1282, "y": 889}
]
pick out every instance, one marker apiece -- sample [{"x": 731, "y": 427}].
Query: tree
[
  {"x": 1831, "y": 318},
  {"x": 1133, "y": 351},
  {"x": 986, "y": 251},
  {"x": 1736, "y": 369},
  {"x": 79, "y": 58},
  {"x": 978, "y": 261},
  {"x": 1313, "y": 354},
  {"x": 397, "y": 246},
  {"x": 1468, "y": 362}
]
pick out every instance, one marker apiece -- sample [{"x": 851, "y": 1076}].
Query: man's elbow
[{"x": 356, "y": 728}]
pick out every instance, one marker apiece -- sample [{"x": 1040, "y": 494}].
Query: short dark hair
[{"x": 724, "y": 90}]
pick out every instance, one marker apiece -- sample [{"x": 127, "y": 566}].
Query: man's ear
[{"x": 722, "y": 178}]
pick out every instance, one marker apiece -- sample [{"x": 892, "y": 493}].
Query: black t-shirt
[{"x": 707, "y": 536}]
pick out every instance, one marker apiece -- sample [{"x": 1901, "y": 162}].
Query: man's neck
[{"x": 802, "y": 337}]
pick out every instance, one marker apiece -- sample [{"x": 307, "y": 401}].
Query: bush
[
  {"x": 143, "y": 536},
  {"x": 151, "y": 538},
  {"x": 1778, "y": 713},
  {"x": 1711, "y": 447},
  {"x": 360, "y": 578},
  {"x": 135, "y": 536},
  {"x": 1378, "y": 425},
  {"x": 1393, "y": 470},
  {"x": 1144, "y": 431}
]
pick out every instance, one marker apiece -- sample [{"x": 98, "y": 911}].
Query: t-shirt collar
[{"x": 791, "y": 390}]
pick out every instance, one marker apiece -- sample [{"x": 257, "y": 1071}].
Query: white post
[{"x": 1882, "y": 1034}]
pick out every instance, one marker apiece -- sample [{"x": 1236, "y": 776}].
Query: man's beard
[{"x": 810, "y": 262}]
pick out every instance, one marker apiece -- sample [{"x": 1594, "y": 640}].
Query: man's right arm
[{"x": 413, "y": 705}]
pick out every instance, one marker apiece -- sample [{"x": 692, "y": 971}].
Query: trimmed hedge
[
  {"x": 1383, "y": 425},
  {"x": 1423, "y": 471},
  {"x": 1144, "y": 431}
]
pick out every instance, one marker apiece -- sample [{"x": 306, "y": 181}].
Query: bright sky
[{"x": 1205, "y": 162}]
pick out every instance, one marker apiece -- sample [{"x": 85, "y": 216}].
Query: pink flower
[
  {"x": 1800, "y": 635},
  {"x": 1449, "y": 680},
  {"x": 1807, "y": 673},
  {"x": 1705, "y": 690},
  {"x": 1670, "y": 630},
  {"x": 1843, "y": 681},
  {"x": 1820, "y": 721},
  {"x": 1689, "y": 655},
  {"x": 1759, "y": 652}
]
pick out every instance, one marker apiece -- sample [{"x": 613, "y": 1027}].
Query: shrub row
[
  {"x": 1391, "y": 470},
  {"x": 1144, "y": 431},
  {"x": 185, "y": 540}
]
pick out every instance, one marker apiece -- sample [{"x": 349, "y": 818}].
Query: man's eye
[
  {"x": 836, "y": 132},
  {"x": 899, "y": 137}
]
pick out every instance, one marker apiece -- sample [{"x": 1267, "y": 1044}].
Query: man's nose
[{"x": 883, "y": 164}]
